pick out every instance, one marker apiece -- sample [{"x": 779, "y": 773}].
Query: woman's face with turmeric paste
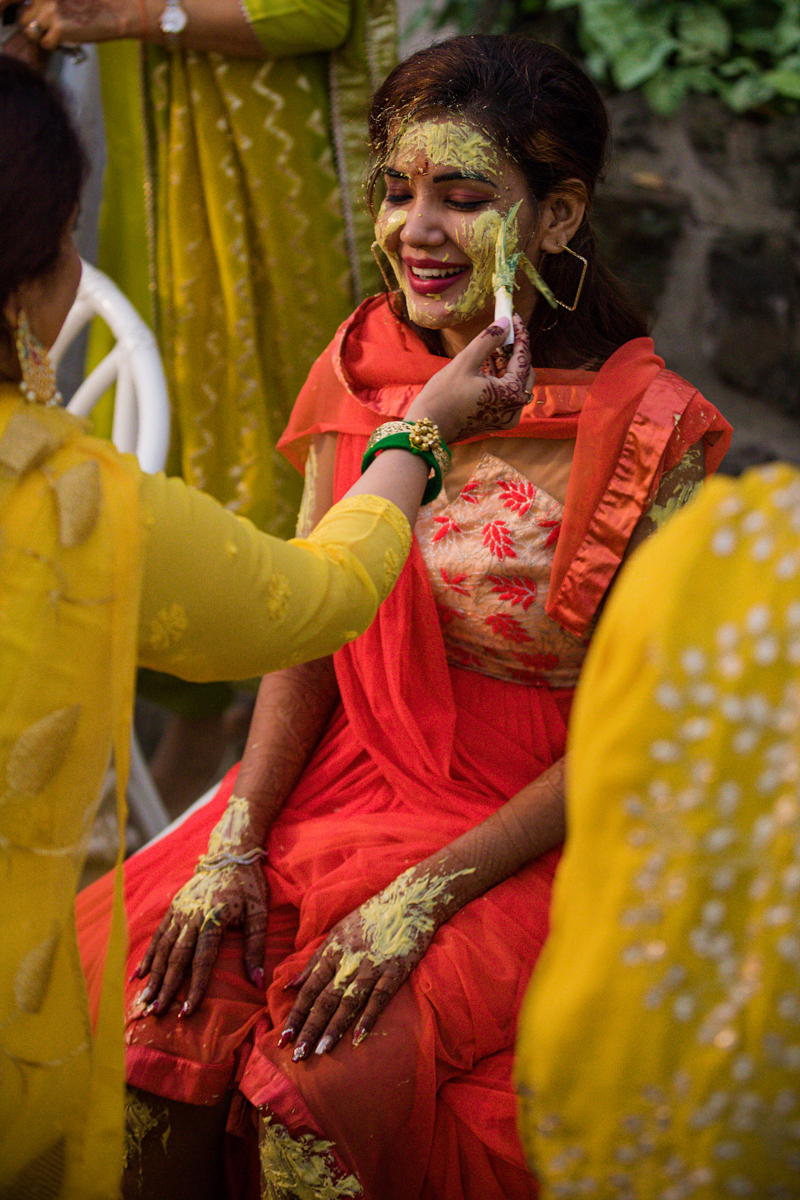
[{"x": 448, "y": 188}]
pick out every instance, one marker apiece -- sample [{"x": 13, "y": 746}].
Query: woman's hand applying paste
[{"x": 496, "y": 403}]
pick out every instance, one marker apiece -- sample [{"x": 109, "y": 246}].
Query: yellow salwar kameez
[
  {"x": 101, "y": 567},
  {"x": 238, "y": 184},
  {"x": 659, "y": 1047}
]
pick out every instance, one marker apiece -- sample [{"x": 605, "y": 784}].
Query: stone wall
[{"x": 701, "y": 214}]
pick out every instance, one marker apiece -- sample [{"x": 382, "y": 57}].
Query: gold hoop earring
[
  {"x": 38, "y": 383},
  {"x": 574, "y": 305},
  {"x": 375, "y": 247}
]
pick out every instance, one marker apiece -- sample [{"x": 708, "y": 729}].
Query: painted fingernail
[
  {"x": 137, "y": 974},
  {"x": 143, "y": 997},
  {"x": 153, "y": 1009},
  {"x": 286, "y": 1037},
  {"x": 258, "y": 978},
  {"x": 301, "y": 1052},
  {"x": 359, "y": 1036},
  {"x": 324, "y": 1044},
  {"x": 293, "y": 983}
]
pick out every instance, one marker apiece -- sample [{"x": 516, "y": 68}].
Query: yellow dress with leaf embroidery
[
  {"x": 249, "y": 176},
  {"x": 101, "y": 566},
  {"x": 659, "y": 1045}
]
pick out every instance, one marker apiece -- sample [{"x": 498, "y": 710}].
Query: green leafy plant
[{"x": 747, "y": 52}]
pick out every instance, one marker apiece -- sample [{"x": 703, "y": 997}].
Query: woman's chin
[
  {"x": 429, "y": 321},
  {"x": 445, "y": 315}
]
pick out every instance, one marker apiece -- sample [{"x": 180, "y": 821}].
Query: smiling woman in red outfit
[{"x": 349, "y": 1004}]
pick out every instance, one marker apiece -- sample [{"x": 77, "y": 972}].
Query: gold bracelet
[{"x": 422, "y": 434}]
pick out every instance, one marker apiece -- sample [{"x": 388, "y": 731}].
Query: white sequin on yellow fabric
[
  {"x": 168, "y": 627},
  {"x": 664, "y": 1060},
  {"x": 300, "y": 1168}
]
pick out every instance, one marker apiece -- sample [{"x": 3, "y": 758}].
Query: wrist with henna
[
  {"x": 292, "y": 710},
  {"x": 236, "y": 833}
]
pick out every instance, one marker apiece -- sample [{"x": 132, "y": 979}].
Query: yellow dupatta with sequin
[
  {"x": 70, "y": 574},
  {"x": 259, "y": 240},
  {"x": 659, "y": 1043}
]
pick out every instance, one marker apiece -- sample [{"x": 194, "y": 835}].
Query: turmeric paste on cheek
[{"x": 388, "y": 222}]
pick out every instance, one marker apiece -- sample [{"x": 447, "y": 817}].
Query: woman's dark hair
[
  {"x": 42, "y": 168},
  {"x": 549, "y": 120}
]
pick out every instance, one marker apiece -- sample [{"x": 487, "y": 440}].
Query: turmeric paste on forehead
[{"x": 447, "y": 143}]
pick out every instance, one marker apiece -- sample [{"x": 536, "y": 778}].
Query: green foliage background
[{"x": 746, "y": 52}]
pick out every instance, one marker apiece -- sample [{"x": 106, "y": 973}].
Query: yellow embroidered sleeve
[
  {"x": 289, "y": 27},
  {"x": 220, "y": 600}
]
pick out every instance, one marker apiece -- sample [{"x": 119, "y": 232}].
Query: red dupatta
[{"x": 632, "y": 421}]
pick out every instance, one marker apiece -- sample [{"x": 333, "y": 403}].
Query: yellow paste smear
[
  {"x": 299, "y": 1168},
  {"x": 661, "y": 513},
  {"x": 139, "y": 1122},
  {"x": 233, "y": 828},
  {"x": 393, "y": 920},
  {"x": 448, "y": 143},
  {"x": 685, "y": 489}
]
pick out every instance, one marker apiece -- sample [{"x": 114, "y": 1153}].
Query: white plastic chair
[
  {"x": 141, "y": 427},
  {"x": 141, "y": 405}
]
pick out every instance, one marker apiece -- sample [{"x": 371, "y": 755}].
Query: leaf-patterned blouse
[{"x": 489, "y": 553}]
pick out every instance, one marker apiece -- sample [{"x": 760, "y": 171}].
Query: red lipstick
[{"x": 433, "y": 284}]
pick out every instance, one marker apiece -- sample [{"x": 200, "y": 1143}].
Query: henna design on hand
[{"x": 500, "y": 399}]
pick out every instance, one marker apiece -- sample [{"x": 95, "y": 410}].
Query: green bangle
[{"x": 405, "y": 435}]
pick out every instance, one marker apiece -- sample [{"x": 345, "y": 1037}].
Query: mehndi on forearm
[
  {"x": 291, "y": 712},
  {"x": 521, "y": 830}
]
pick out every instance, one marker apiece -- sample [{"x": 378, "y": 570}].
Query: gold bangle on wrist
[{"x": 419, "y": 437}]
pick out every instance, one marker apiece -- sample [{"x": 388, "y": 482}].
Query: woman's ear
[{"x": 561, "y": 214}]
